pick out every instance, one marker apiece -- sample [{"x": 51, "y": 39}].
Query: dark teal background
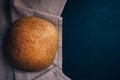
[{"x": 91, "y": 39}]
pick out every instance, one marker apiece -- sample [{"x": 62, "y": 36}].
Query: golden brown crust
[{"x": 32, "y": 43}]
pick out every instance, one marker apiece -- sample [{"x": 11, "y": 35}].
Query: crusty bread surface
[{"x": 31, "y": 43}]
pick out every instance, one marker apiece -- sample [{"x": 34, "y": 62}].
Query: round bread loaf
[{"x": 31, "y": 43}]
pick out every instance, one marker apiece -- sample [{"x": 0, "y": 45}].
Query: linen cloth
[{"x": 46, "y": 9}]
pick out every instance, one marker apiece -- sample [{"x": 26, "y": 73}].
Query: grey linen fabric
[{"x": 46, "y": 9}]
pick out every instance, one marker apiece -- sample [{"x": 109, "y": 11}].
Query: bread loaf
[{"x": 31, "y": 43}]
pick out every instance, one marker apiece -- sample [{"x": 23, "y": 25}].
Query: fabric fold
[{"x": 54, "y": 7}]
